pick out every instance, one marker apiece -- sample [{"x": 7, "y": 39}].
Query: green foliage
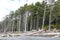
[
  {"x": 58, "y": 26},
  {"x": 37, "y": 10},
  {"x": 46, "y": 27}
]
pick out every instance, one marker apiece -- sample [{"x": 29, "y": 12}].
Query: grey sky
[{"x": 11, "y": 5}]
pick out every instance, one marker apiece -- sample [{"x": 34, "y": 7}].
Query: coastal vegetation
[{"x": 30, "y": 17}]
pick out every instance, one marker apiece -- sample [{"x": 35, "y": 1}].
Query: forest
[{"x": 30, "y": 17}]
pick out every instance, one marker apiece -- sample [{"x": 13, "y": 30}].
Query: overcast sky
[{"x": 11, "y": 5}]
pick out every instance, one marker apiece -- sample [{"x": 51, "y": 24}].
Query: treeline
[{"x": 34, "y": 20}]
